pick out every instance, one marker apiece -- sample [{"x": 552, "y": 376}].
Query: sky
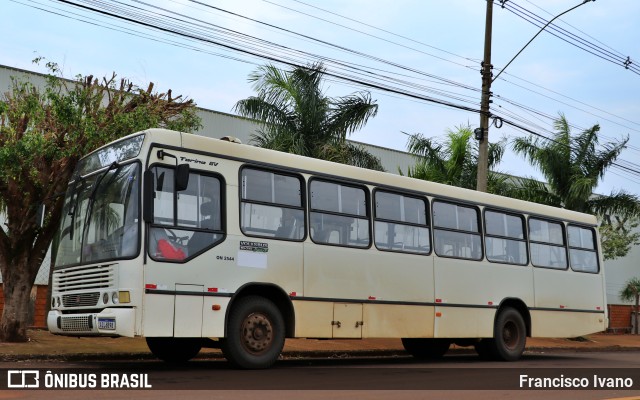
[{"x": 429, "y": 48}]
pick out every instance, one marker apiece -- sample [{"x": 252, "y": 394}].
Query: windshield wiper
[
  {"x": 94, "y": 191},
  {"x": 77, "y": 186}
]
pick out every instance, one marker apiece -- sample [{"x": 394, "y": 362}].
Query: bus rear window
[{"x": 582, "y": 249}]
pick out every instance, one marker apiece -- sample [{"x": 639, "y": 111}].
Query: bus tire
[
  {"x": 509, "y": 335},
  {"x": 174, "y": 350},
  {"x": 255, "y": 333},
  {"x": 425, "y": 349}
]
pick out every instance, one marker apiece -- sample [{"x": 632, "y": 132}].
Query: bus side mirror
[
  {"x": 182, "y": 177},
  {"x": 149, "y": 194}
]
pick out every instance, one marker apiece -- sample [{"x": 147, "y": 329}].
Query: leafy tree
[
  {"x": 298, "y": 118},
  {"x": 618, "y": 235},
  {"x": 454, "y": 161},
  {"x": 43, "y": 133},
  {"x": 573, "y": 165},
  {"x": 631, "y": 292}
]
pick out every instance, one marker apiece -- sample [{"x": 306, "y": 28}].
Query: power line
[
  {"x": 577, "y": 29},
  {"x": 358, "y": 80},
  {"x": 376, "y": 28},
  {"x": 406, "y": 38},
  {"x": 269, "y": 57},
  {"x": 375, "y": 58},
  {"x": 382, "y": 30},
  {"x": 570, "y": 38}
]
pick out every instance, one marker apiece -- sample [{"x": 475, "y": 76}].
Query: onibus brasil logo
[{"x": 35, "y": 379}]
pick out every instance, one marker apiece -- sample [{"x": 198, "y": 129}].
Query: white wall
[{"x": 618, "y": 272}]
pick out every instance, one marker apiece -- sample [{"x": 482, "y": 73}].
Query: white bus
[{"x": 196, "y": 242}]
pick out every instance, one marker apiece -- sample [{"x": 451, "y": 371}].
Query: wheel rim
[
  {"x": 257, "y": 333},
  {"x": 510, "y": 335}
]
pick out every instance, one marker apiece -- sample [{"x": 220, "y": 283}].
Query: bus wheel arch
[
  {"x": 519, "y": 306},
  {"x": 512, "y": 325},
  {"x": 270, "y": 292}
]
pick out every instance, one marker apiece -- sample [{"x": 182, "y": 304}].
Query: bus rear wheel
[
  {"x": 426, "y": 348},
  {"x": 255, "y": 334},
  {"x": 509, "y": 337},
  {"x": 174, "y": 350}
]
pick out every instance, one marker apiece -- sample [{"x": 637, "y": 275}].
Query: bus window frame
[
  {"x": 141, "y": 245},
  {"x": 427, "y": 224},
  {"x": 563, "y": 226},
  {"x": 594, "y": 250},
  {"x": 525, "y": 233},
  {"x": 303, "y": 200},
  {"x": 367, "y": 198},
  {"x": 223, "y": 217},
  {"x": 479, "y": 233}
]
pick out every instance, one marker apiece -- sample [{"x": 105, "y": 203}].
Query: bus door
[{"x": 185, "y": 220}]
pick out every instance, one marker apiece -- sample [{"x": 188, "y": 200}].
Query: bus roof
[{"x": 296, "y": 163}]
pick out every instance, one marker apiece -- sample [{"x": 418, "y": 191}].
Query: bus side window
[
  {"x": 198, "y": 209},
  {"x": 548, "y": 247},
  {"x": 505, "y": 240},
  {"x": 400, "y": 223},
  {"x": 339, "y": 214},
  {"x": 456, "y": 231},
  {"x": 272, "y": 205}
]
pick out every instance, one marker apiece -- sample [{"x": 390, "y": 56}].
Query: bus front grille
[
  {"x": 81, "y": 299},
  {"x": 84, "y": 277},
  {"x": 76, "y": 323}
]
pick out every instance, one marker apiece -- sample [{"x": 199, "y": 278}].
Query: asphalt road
[{"x": 454, "y": 377}]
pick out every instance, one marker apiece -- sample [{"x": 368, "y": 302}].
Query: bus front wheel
[
  {"x": 255, "y": 333},
  {"x": 174, "y": 350},
  {"x": 426, "y": 348}
]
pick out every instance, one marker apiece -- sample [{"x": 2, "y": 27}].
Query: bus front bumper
[{"x": 108, "y": 322}]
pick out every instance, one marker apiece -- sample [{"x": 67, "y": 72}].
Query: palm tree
[
  {"x": 298, "y": 118},
  {"x": 631, "y": 291},
  {"x": 573, "y": 166},
  {"x": 454, "y": 161}
]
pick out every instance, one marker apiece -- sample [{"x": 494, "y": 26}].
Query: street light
[{"x": 483, "y": 132}]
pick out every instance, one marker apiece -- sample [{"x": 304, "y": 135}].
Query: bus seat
[
  {"x": 161, "y": 246},
  {"x": 207, "y": 211},
  {"x": 289, "y": 231}
]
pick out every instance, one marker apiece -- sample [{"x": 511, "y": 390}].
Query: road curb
[{"x": 293, "y": 354}]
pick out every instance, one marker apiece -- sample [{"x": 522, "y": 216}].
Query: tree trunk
[
  {"x": 15, "y": 315},
  {"x": 19, "y": 264}
]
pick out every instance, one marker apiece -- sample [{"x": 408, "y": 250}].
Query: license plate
[{"x": 106, "y": 323}]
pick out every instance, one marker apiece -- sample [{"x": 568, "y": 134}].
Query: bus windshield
[{"x": 101, "y": 217}]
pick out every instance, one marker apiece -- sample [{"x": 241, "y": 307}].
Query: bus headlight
[
  {"x": 114, "y": 297},
  {"x": 105, "y": 298}
]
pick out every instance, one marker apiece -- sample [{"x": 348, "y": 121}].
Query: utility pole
[{"x": 482, "y": 134}]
